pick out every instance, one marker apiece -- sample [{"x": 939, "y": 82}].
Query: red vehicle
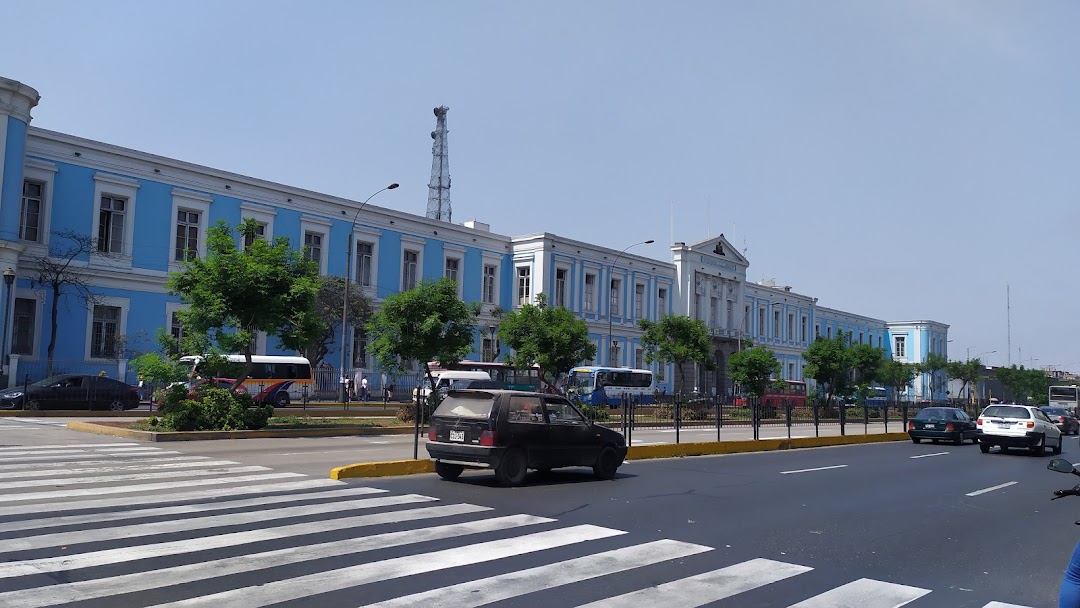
[{"x": 793, "y": 393}]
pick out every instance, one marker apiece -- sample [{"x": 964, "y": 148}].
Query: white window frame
[
  {"x": 37, "y": 296},
  {"x": 562, "y": 286},
  {"x": 523, "y": 290},
  {"x": 170, "y": 309},
  {"x": 639, "y": 358},
  {"x": 410, "y": 277},
  {"x": 661, "y": 302},
  {"x": 900, "y": 347},
  {"x": 371, "y": 237},
  {"x": 485, "y": 296},
  {"x": 320, "y": 226},
  {"x": 186, "y": 200},
  {"x": 261, "y": 214},
  {"x": 661, "y": 372},
  {"x": 123, "y": 304},
  {"x": 44, "y": 172},
  {"x": 761, "y": 321},
  {"x": 615, "y": 285},
  {"x": 791, "y": 326},
  {"x": 456, "y": 253},
  {"x": 589, "y": 295},
  {"x": 778, "y": 327},
  {"x": 714, "y": 312},
  {"x": 116, "y": 187},
  {"x": 802, "y": 328},
  {"x": 639, "y": 300},
  {"x": 416, "y": 245}
]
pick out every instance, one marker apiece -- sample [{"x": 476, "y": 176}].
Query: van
[{"x": 449, "y": 379}]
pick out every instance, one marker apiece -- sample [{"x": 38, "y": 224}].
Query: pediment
[{"x": 721, "y": 248}]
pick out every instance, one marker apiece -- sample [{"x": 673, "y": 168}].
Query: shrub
[
  {"x": 594, "y": 413},
  {"x": 216, "y": 409}
]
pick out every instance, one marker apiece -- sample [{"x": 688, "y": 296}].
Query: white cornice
[
  {"x": 17, "y": 99},
  {"x": 40, "y": 165},
  {"x": 315, "y": 220},
  {"x": 407, "y": 239},
  {"x": 117, "y": 180},
  {"x": 453, "y": 248},
  {"x": 192, "y": 196}
]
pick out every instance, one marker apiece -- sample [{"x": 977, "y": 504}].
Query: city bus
[
  {"x": 277, "y": 380},
  {"x": 639, "y": 384},
  {"x": 1065, "y": 396},
  {"x": 511, "y": 378}
]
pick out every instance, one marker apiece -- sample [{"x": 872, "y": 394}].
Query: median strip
[
  {"x": 997, "y": 487},
  {"x": 835, "y": 466}
]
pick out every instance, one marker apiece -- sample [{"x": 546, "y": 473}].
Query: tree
[
  {"x": 328, "y": 302},
  {"x": 1024, "y": 384},
  {"x": 932, "y": 365},
  {"x": 967, "y": 372},
  {"x": 551, "y": 338},
  {"x": 865, "y": 362},
  {"x": 235, "y": 292},
  {"x": 54, "y": 273},
  {"x": 423, "y": 324},
  {"x": 829, "y": 363},
  {"x": 676, "y": 339},
  {"x": 753, "y": 369},
  {"x": 896, "y": 375}
]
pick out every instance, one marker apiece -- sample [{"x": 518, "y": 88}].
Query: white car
[{"x": 1007, "y": 425}]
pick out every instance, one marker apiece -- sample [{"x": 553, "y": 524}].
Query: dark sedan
[
  {"x": 72, "y": 392},
  {"x": 1066, "y": 422},
  {"x": 937, "y": 423}
]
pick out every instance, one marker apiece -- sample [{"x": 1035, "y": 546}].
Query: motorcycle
[
  {"x": 1070, "y": 584},
  {"x": 1061, "y": 465}
]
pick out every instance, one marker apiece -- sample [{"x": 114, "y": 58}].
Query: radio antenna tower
[{"x": 438, "y": 200}]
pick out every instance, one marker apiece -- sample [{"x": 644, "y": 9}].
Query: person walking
[{"x": 363, "y": 389}]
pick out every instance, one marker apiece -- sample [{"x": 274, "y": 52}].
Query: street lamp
[
  {"x": 348, "y": 279},
  {"x": 9, "y": 280},
  {"x": 611, "y": 269}
]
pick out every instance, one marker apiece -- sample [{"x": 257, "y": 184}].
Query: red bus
[{"x": 793, "y": 392}]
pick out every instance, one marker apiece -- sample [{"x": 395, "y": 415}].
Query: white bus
[
  {"x": 276, "y": 380},
  {"x": 1065, "y": 396},
  {"x": 639, "y": 384}
]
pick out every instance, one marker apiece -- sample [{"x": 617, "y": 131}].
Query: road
[{"x": 113, "y": 523}]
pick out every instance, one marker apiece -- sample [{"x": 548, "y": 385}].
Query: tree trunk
[{"x": 52, "y": 339}]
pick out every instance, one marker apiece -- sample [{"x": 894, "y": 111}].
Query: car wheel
[
  {"x": 281, "y": 399},
  {"x": 959, "y": 439},
  {"x": 934, "y": 440},
  {"x": 984, "y": 447},
  {"x": 32, "y": 404},
  {"x": 448, "y": 471},
  {"x": 607, "y": 463},
  {"x": 1057, "y": 448},
  {"x": 1040, "y": 449},
  {"x": 916, "y": 440},
  {"x": 117, "y": 405},
  {"x": 511, "y": 470}
]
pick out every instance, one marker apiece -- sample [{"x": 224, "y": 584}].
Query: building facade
[{"x": 142, "y": 213}]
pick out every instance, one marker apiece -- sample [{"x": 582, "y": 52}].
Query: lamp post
[
  {"x": 9, "y": 280},
  {"x": 611, "y": 269},
  {"x": 348, "y": 279}
]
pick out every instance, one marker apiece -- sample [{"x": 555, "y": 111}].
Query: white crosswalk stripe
[
  {"x": 30, "y": 423},
  {"x": 232, "y": 538}
]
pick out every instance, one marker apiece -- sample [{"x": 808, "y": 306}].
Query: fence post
[
  {"x": 843, "y": 414},
  {"x": 885, "y": 415},
  {"x": 903, "y": 410},
  {"x": 816, "y": 431},
  {"x": 787, "y": 416},
  {"x": 865, "y": 418},
  {"x": 719, "y": 422},
  {"x": 754, "y": 416},
  {"x": 625, "y": 407},
  {"x": 416, "y": 428},
  {"x": 678, "y": 415}
]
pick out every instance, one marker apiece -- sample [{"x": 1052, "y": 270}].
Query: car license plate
[
  {"x": 457, "y": 435},
  {"x": 1004, "y": 425},
  {"x": 929, "y": 426}
]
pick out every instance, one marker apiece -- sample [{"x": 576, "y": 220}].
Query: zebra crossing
[
  {"x": 30, "y": 424},
  {"x": 123, "y": 524}
]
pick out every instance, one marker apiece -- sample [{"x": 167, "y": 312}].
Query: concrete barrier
[{"x": 391, "y": 468}]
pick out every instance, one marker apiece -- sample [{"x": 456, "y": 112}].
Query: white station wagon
[{"x": 1008, "y": 425}]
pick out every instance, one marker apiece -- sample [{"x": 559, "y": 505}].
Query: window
[
  {"x": 661, "y": 302},
  {"x": 714, "y": 311},
  {"x": 761, "y": 321},
  {"x": 24, "y": 327},
  {"x": 802, "y": 329},
  {"x": 860, "y": 337},
  {"x": 791, "y": 371},
  {"x": 828, "y": 332},
  {"x": 104, "y": 332},
  {"x": 110, "y": 237},
  {"x": 661, "y": 372},
  {"x": 408, "y": 270},
  {"x": 187, "y": 235},
  {"x": 363, "y": 264},
  {"x": 613, "y": 353},
  {"x": 561, "y": 412},
  {"x": 590, "y": 292},
  {"x": 560, "y": 287},
  {"x": 613, "y": 306},
  {"x": 176, "y": 328},
  {"x": 523, "y": 285},
  {"x": 639, "y": 358},
  {"x": 817, "y": 330},
  {"x": 33, "y": 200},
  {"x": 489, "y": 284},
  {"x": 487, "y": 349},
  {"x": 879, "y": 341},
  {"x": 730, "y": 319},
  {"x": 900, "y": 346},
  {"x": 639, "y": 301},
  {"x": 359, "y": 348},
  {"x": 313, "y": 248},
  {"x": 451, "y": 270},
  {"x": 778, "y": 330},
  {"x": 260, "y": 233}
]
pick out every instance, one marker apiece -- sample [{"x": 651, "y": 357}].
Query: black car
[
  {"x": 513, "y": 431},
  {"x": 72, "y": 392},
  {"x": 1066, "y": 422},
  {"x": 937, "y": 423}
]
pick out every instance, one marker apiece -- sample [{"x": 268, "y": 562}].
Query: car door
[
  {"x": 572, "y": 440},
  {"x": 72, "y": 394},
  {"x": 528, "y": 429},
  {"x": 964, "y": 423},
  {"x": 1050, "y": 428}
]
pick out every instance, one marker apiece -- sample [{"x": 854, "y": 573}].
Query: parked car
[
  {"x": 513, "y": 431},
  {"x": 1067, "y": 422},
  {"x": 1019, "y": 426},
  {"x": 937, "y": 423},
  {"x": 72, "y": 392}
]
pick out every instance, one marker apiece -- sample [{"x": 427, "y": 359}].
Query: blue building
[{"x": 140, "y": 213}]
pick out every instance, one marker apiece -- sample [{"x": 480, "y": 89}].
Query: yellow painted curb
[
  {"x": 104, "y": 429},
  {"x": 383, "y": 469}
]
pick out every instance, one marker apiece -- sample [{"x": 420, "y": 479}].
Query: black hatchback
[{"x": 511, "y": 432}]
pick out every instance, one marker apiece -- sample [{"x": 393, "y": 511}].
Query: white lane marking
[
  {"x": 389, "y": 569},
  {"x": 38, "y": 466},
  {"x": 202, "y": 523},
  {"x": 835, "y": 466},
  {"x": 515, "y": 584},
  {"x": 73, "y": 481},
  {"x": 65, "y": 563},
  {"x": 156, "y": 499},
  {"x": 997, "y": 487},
  {"x": 1003, "y": 605},
  {"x": 126, "y": 450},
  {"x": 90, "y": 518},
  {"x": 142, "y": 487},
  {"x": 929, "y": 455},
  {"x": 315, "y": 452},
  {"x": 865, "y": 593},
  {"x": 60, "y": 458},
  {"x": 708, "y": 587},
  {"x": 67, "y": 446},
  {"x": 176, "y": 575},
  {"x": 119, "y": 467}
]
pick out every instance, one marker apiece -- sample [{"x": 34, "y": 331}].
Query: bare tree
[{"x": 61, "y": 272}]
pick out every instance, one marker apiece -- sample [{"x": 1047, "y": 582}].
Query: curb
[
  {"x": 640, "y": 452},
  {"x": 104, "y": 429}
]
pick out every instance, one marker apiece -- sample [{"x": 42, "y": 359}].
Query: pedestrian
[
  {"x": 363, "y": 389},
  {"x": 388, "y": 392},
  {"x": 348, "y": 389}
]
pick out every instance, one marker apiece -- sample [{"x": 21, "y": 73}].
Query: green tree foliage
[
  {"x": 215, "y": 409},
  {"x": 235, "y": 292},
  {"x": 934, "y": 365},
  {"x": 428, "y": 323},
  {"x": 551, "y": 338},
  {"x": 967, "y": 372},
  {"x": 1026, "y": 385},
  {"x": 866, "y": 364},
  {"x": 159, "y": 369},
  {"x": 676, "y": 339},
  {"x": 753, "y": 369},
  {"x": 329, "y": 303},
  {"x": 828, "y": 361},
  {"x": 896, "y": 375}
]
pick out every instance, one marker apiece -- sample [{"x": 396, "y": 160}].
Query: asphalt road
[{"x": 932, "y": 524}]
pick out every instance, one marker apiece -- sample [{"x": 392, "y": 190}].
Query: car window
[
  {"x": 523, "y": 408},
  {"x": 961, "y": 415},
  {"x": 1041, "y": 416},
  {"x": 1007, "y": 411},
  {"x": 560, "y": 410},
  {"x": 466, "y": 406},
  {"x": 932, "y": 412},
  {"x": 73, "y": 382}
]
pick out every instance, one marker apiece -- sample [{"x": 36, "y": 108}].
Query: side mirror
[{"x": 1062, "y": 466}]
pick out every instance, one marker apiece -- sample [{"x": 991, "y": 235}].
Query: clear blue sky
[{"x": 899, "y": 159}]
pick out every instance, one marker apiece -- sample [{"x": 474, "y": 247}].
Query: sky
[{"x": 903, "y": 160}]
